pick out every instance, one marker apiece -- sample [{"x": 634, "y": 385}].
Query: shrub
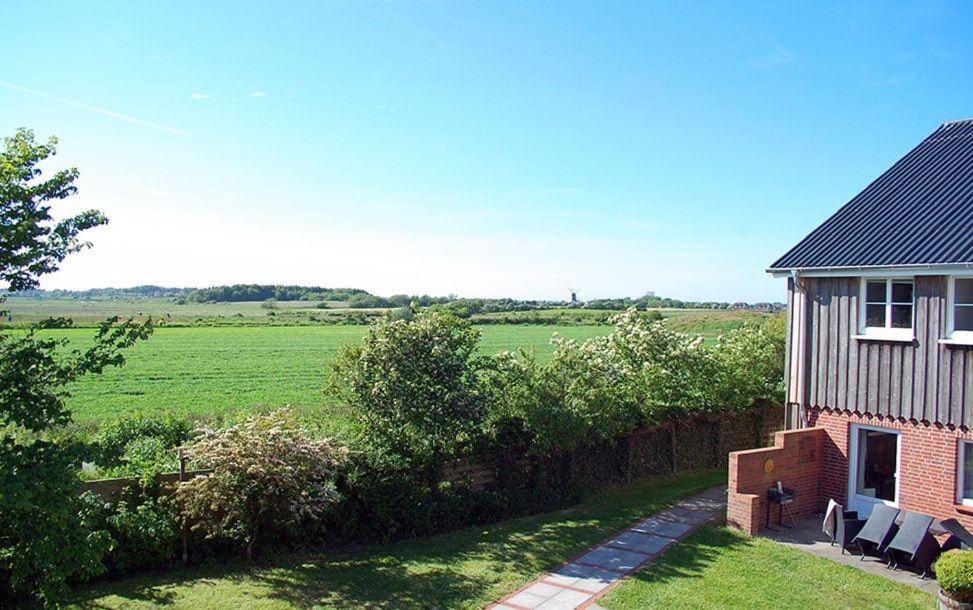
[
  {"x": 601, "y": 388},
  {"x": 641, "y": 373},
  {"x": 47, "y": 535},
  {"x": 954, "y": 571},
  {"x": 413, "y": 384},
  {"x": 144, "y": 529},
  {"x": 749, "y": 366},
  {"x": 113, "y": 441},
  {"x": 268, "y": 477},
  {"x": 139, "y": 445}
]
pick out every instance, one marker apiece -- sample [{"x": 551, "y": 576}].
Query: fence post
[
  {"x": 672, "y": 445},
  {"x": 182, "y": 513}
]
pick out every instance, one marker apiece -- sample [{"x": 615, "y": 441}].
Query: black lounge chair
[
  {"x": 842, "y": 525},
  {"x": 959, "y": 536},
  {"x": 878, "y": 531},
  {"x": 914, "y": 543}
]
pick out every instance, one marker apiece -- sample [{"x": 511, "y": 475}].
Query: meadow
[
  {"x": 218, "y": 361},
  {"x": 220, "y": 372}
]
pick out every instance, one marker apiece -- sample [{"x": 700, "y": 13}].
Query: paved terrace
[
  {"x": 807, "y": 536},
  {"x": 582, "y": 580}
]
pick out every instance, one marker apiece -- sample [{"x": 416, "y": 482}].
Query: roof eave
[{"x": 930, "y": 268}]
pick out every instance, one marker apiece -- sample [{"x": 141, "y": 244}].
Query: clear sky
[{"x": 477, "y": 148}]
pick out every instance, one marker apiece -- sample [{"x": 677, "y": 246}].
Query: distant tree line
[
  {"x": 147, "y": 291},
  {"x": 655, "y": 302},
  {"x": 362, "y": 299},
  {"x": 262, "y": 292}
]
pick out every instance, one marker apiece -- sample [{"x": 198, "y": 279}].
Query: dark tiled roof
[{"x": 919, "y": 212}]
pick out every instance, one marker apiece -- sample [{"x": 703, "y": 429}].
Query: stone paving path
[{"x": 580, "y": 581}]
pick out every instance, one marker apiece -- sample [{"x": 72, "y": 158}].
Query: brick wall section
[
  {"x": 929, "y": 461},
  {"x": 928, "y": 469},
  {"x": 796, "y": 460}
]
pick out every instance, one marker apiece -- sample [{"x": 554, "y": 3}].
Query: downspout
[{"x": 796, "y": 388}]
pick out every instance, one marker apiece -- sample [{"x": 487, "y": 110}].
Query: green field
[
  {"x": 219, "y": 371},
  {"x": 218, "y": 360},
  {"x": 90, "y": 312}
]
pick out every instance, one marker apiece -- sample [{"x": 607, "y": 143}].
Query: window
[
  {"x": 964, "y": 478},
  {"x": 887, "y": 309},
  {"x": 961, "y": 309}
]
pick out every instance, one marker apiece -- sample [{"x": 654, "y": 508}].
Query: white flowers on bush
[
  {"x": 268, "y": 478},
  {"x": 640, "y": 373}
]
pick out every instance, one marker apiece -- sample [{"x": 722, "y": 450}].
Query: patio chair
[
  {"x": 914, "y": 543},
  {"x": 878, "y": 531},
  {"x": 959, "y": 536},
  {"x": 841, "y": 525}
]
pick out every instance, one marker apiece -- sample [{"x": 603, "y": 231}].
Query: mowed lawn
[
  {"x": 720, "y": 568},
  {"x": 712, "y": 568},
  {"x": 463, "y": 569},
  {"x": 222, "y": 370}
]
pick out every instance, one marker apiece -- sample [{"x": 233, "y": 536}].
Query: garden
[{"x": 464, "y": 474}]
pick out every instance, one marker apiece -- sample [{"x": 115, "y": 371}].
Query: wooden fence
[{"x": 680, "y": 445}]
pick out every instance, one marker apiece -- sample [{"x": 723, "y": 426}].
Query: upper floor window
[
  {"x": 960, "y": 315},
  {"x": 887, "y": 309}
]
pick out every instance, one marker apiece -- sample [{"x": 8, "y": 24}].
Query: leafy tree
[
  {"x": 268, "y": 478},
  {"x": 45, "y": 533},
  {"x": 413, "y": 382}
]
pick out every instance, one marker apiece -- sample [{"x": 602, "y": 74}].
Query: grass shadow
[{"x": 466, "y": 568}]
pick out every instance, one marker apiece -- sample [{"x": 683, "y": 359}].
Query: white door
[{"x": 873, "y": 470}]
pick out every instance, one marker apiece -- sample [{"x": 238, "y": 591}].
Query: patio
[{"x": 807, "y": 536}]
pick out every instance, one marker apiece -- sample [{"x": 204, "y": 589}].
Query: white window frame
[
  {"x": 859, "y": 502},
  {"x": 960, "y": 460},
  {"x": 956, "y": 336},
  {"x": 885, "y": 333}
]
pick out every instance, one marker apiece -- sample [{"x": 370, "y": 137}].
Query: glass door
[{"x": 873, "y": 473}]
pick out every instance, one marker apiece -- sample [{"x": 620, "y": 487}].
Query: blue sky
[{"x": 483, "y": 149}]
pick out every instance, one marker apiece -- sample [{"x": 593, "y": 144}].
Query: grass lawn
[
  {"x": 719, "y": 568},
  {"x": 464, "y": 569}
]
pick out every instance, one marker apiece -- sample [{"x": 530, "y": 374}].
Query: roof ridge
[{"x": 968, "y": 119}]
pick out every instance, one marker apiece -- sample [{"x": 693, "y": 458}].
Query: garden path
[{"x": 580, "y": 581}]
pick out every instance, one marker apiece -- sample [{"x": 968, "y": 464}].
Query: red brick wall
[
  {"x": 796, "y": 460},
  {"x": 928, "y": 468}
]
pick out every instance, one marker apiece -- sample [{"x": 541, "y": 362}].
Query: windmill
[{"x": 574, "y": 296}]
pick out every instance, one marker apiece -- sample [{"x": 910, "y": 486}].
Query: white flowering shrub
[
  {"x": 641, "y": 373},
  {"x": 268, "y": 478}
]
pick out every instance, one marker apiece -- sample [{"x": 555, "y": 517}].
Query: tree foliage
[
  {"x": 45, "y": 535},
  {"x": 31, "y": 243},
  {"x": 413, "y": 381},
  {"x": 641, "y": 373}
]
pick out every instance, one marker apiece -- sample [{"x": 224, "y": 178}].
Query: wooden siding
[{"x": 922, "y": 380}]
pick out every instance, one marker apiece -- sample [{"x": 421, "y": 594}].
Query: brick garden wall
[
  {"x": 927, "y": 472},
  {"x": 795, "y": 459}
]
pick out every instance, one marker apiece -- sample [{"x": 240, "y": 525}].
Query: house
[{"x": 880, "y": 349}]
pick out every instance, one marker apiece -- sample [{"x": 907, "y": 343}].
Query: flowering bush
[
  {"x": 268, "y": 478},
  {"x": 642, "y": 372}
]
